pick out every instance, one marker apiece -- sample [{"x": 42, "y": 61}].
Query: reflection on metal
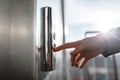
[{"x": 46, "y": 54}]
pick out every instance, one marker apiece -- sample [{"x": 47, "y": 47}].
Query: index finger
[{"x": 67, "y": 45}]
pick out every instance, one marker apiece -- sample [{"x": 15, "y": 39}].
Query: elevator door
[{"x": 17, "y": 40}]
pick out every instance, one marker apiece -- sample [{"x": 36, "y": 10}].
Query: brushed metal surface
[
  {"x": 4, "y": 39},
  {"x": 22, "y": 39},
  {"x": 16, "y": 39}
]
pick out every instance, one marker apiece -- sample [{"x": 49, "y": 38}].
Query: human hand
[{"x": 84, "y": 50}]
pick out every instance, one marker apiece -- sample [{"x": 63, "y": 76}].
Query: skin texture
[{"x": 84, "y": 50}]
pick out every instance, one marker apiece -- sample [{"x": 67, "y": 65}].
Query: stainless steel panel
[
  {"x": 22, "y": 40},
  {"x": 17, "y": 54},
  {"x": 4, "y": 39}
]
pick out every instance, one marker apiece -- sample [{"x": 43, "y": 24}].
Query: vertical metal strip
[
  {"x": 64, "y": 52},
  {"x": 35, "y": 68}
]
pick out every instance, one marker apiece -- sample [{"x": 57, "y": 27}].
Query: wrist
[{"x": 102, "y": 42}]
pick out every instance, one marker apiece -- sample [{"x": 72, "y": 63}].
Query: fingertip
[
  {"x": 81, "y": 67},
  {"x": 76, "y": 65},
  {"x": 56, "y": 49},
  {"x": 72, "y": 64}
]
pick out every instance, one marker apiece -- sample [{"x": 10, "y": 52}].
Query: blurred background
[{"x": 20, "y": 38}]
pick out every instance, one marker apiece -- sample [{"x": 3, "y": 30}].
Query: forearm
[{"x": 111, "y": 42}]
